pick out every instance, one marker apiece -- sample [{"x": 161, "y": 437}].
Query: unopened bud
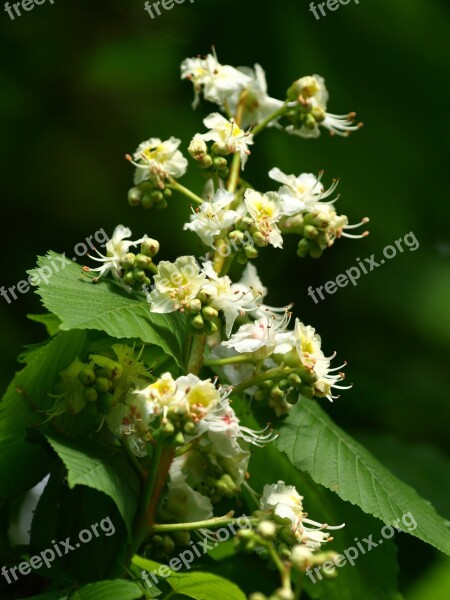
[
  {"x": 103, "y": 384},
  {"x": 134, "y": 196},
  {"x": 150, "y": 247},
  {"x": 209, "y": 313},
  {"x": 90, "y": 394},
  {"x": 143, "y": 261},
  {"x": 128, "y": 260},
  {"x": 266, "y": 529},
  {"x": 193, "y": 307},
  {"x": 250, "y": 252},
  {"x": 198, "y": 322}
]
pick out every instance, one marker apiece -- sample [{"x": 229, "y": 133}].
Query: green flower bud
[
  {"x": 128, "y": 278},
  {"x": 190, "y": 428},
  {"x": 218, "y": 148},
  {"x": 157, "y": 541},
  {"x": 90, "y": 394},
  {"x": 134, "y": 196},
  {"x": 284, "y": 384},
  {"x": 223, "y": 173},
  {"x": 206, "y": 295},
  {"x": 276, "y": 393},
  {"x": 310, "y": 232},
  {"x": 209, "y": 313},
  {"x": 309, "y": 121},
  {"x": 286, "y": 535},
  {"x": 139, "y": 274},
  {"x": 193, "y": 307},
  {"x": 150, "y": 247},
  {"x": 244, "y": 223},
  {"x": 220, "y": 163},
  {"x": 303, "y": 248},
  {"x": 162, "y": 205},
  {"x": 168, "y": 544},
  {"x": 251, "y": 252},
  {"x": 143, "y": 261},
  {"x": 315, "y": 251},
  {"x": 259, "y": 395},
  {"x": 87, "y": 376},
  {"x": 168, "y": 429},
  {"x": 266, "y": 529},
  {"x": 167, "y": 193},
  {"x": 236, "y": 236},
  {"x": 294, "y": 379},
  {"x": 147, "y": 201},
  {"x": 128, "y": 260},
  {"x": 206, "y": 162},
  {"x": 103, "y": 384},
  {"x": 157, "y": 196},
  {"x": 179, "y": 440},
  {"x": 306, "y": 390},
  {"x": 319, "y": 114},
  {"x": 284, "y": 594},
  {"x": 198, "y": 322},
  {"x": 241, "y": 258},
  {"x": 268, "y": 384}
]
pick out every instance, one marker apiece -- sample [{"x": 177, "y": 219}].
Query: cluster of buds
[
  {"x": 204, "y": 318},
  {"x": 162, "y": 547},
  {"x": 307, "y": 99},
  {"x": 211, "y": 161},
  {"x": 136, "y": 267},
  {"x": 280, "y": 393},
  {"x": 147, "y": 195},
  {"x": 99, "y": 378}
]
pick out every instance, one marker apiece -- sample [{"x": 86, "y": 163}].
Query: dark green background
[{"x": 82, "y": 83}]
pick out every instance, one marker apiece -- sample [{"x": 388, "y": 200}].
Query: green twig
[
  {"x": 278, "y": 113},
  {"x": 174, "y": 185}
]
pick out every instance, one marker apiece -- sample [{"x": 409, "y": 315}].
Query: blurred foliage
[{"x": 83, "y": 83}]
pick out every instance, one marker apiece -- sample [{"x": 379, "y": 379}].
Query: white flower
[
  {"x": 307, "y": 351},
  {"x": 287, "y": 506},
  {"x": 224, "y": 430},
  {"x": 189, "y": 394},
  {"x": 265, "y": 210},
  {"x": 314, "y": 95},
  {"x": 228, "y": 136},
  {"x": 175, "y": 284},
  {"x": 116, "y": 248},
  {"x": 220, "y": 83},
  {"x": 186, "y": 504},
  {"x": 285, "y": 501},
  {"x": 223, "y": 298},
  {"x": 262, "y": 337},
  {"x": 258, "y": 104},
  {"x": 337, "y": 225},
  {"x": 302, "y": 193},
  {"x": 213, "y": 218},
  {"x": 132, "y": 418},
  {"x": 252, "y": 288},
  {"x": 157, "y": 160}
]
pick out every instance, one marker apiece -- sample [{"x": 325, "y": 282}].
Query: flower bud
[
  {"x": 259, "y": 239},
  {"x": 251, "y": 252},
  {"x": 207, "y": 294},
  {"x": 209, "y": 313},
  {"x": 198, "y": 322},
  {"x": 139, "y": 274},
  {"x": 87, "y": 376},
  {"x": 147, "y": 201},
  {"x": 90, "y": 394},
  {"x": 220, "y": 149},
  {"x": 266, "y": 529},
  {"x": 190, "y": 428},
  {"x": 220, "y": 163},
  {"x": 236, "y": 236},
  {"x": 310, "y": 232},
  {"x": 143, "y": 261},
  {"x": 103, "y": 384},
  {"x": 193, "y": 307},
  {"x": 210, "y": 327},
  {"x": 198, "y": 148},
  {"x": 128, "y": 278},
  {"x": 181, "y": 538},
  {"x": 301, "y": 557},
  {"x": 134, "y": 196},
  {"x": 157, "y": 196},
  {"x": 179, "y": 440},
  {"x": 168, "y": 544},
  {"x": 150, "y": 247},
  {"x": 284, "y": 594}
]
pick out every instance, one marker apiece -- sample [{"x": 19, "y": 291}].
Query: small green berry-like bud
[
  {"x": 284, "y": 385},
  {"x": 179, "y": 440},
  {"x": 150, "y": 247},
  {"x": 193, "y": 307},
  {"x": 220, "y": 162},
  {"x": 143, "y": 261},
  {"x": 198, "y": 322},
  {"x": 303, "y": 248},
  {"x": 259, "y": 239},
  {"x": 294, "y": 379},
  {"x": 310, "y": 232},
  {"x": 209, "y": 313},
  {"x": 90, "y": 394},
  {"x": 103, "y": 385},
  {"x": 87, "y": 376},
  {"x": 147, "y": 201},
  {"x": 157, "y": 197},
  {"x": 190, "y": 428},
  {"x": 218, "y": 148},
  {"x": 206, "y": 162},
  {"x": 306, "y": 390},
  {"x": 250, "y": 251},
  {"x": 236, "y": 236},
  {"x": 167, "y": 193},
  {"x": 168, "y": 429},
  {"x": 128, "y": 260},
  {"x": 223, "y": 173},
  {"x": 284, "y": 594},
  {"x": 266, "y": 529},
  {"x": 139, "y": 274},
  {"x": 134, "y": 196},
  {"x": 168, "y": 544},
  {"x": 128, "y": 278},
  {"x": 241, "y": 258},
  {"x": 315, "y": 251},
  {"x": 207, "y": 294}
]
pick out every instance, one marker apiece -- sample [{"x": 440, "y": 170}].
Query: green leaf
[
  {"x": 434, "y": 585},
  {"x": 49, "y": 596},
  {"x": 101, "y": 468},
  {"x": 50, "y": 322},
  {"x": 117, "y": 589},
  {"x": 313, "y": 443},
  {"x": 81, "y": 304},
  {"x": 195, "y": 584}
]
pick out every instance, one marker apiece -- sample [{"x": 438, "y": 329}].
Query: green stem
[
  {"x": 259, "y": 378},
  {"x": 174, "y": 185},
  {"x": 195, "y": 361},
  {"x": 278, "y": 113},
  {"x": 234, "y": 173},
  {"x": 229, "y": 360},
  {"x": 298, "y": 586},
  {"x": 208, "y": 523}
]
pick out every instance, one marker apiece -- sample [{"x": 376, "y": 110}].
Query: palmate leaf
[
  {"x": 80, "y": 304},
  {"x": 313, "y": 443},
  {"x": 102, "y": 468},
  {"x": 195, "y": 584}
]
